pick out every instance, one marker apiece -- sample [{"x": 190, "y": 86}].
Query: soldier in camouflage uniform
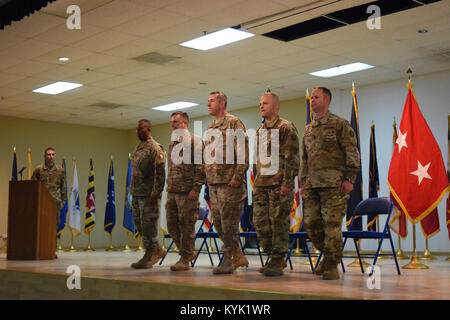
[
  {"x": 329, "y": 164},
  {"x": 53, "y": 178},
  {"x": 147, "y": 183},
  {"x": 274, "y": 183},
  {"x": 186, "y": 175},
  {"x": 226, "y": 179}
]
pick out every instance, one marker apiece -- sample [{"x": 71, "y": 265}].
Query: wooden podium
[{"x": 31, "y": 221}]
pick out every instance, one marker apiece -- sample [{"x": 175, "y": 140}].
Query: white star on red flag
[
  {"x": 422, "y": 172},
  {"x": 401, "y": 140}
]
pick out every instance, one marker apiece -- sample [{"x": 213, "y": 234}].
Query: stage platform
[{"x": 108, "y": 275}]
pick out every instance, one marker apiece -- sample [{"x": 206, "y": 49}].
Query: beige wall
[{"x": 70, "y": 141}]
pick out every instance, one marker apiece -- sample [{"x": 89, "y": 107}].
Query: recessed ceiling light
[
  {"x": 63, "y": 59},
  {"x": 57, "y": 87},
  {"x": 175, "y": 106},
  {"x": 340, "y": 70},
  {"x": 217, "y": 39}
]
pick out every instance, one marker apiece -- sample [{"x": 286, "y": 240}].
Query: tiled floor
[{"x": 433, "y": 283}]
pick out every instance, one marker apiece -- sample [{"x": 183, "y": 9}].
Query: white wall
[{"x": 381, "y": 103}]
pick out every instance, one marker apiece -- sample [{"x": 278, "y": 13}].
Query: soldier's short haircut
[
  {"x": 221, "y": 96},
  {"x": 326, "y": 91},
  {"x": 49, "y": 148},
  {"x": 146, "y": 121},
  {"x": 275, "y": 97},
  {"x": 181, "y": 114}
]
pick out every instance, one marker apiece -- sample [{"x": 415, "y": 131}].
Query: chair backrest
[{"x": 373, "y": 206}]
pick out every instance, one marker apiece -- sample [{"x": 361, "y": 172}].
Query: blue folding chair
[
  {"x": 247, "y": 235},
  {"x": 372, "y": 206},
  {"x": 299, "y": 235},
  {"x": 205, "y": 235}
]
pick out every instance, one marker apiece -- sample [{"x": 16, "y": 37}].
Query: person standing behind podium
[{"x": 53, "y": 178}]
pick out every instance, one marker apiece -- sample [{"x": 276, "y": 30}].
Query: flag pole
[
  {"x": 400, "y": 254},
  {"x": 427, "y": 253},
  {"x": 415, "y": 263},
  {"x": 72, "y": 248},
  {"x": 60, "y": 249},
  {"x": 140, "y": 248},
  {"x": 111, "y": 247},
  {"x": 89, "y": 248},
  {"x": 127, "y": 247}
]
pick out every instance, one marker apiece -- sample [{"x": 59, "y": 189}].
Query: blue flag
[
  {"x": 128, "y": 222},
  {"x": 309, "y": 113},
  {"x": 356, "y": 194},
  {"x": 374, "y": 180},
  {"x": 110, "y": 213},
  {"x": 14, "y": 167},
  {"x": 64, "y": 209}
]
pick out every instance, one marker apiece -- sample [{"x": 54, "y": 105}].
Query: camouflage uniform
[
  {"x": 182, "y": 212},
  {"x": 148, "y": 175},
  {"x": 227, "y": 202},
  {"x": 329, "y": 157},
  {"x": 271, "y": 209},
  {"x": 55, "y": 181}
]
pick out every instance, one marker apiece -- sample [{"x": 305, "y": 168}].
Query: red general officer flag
[{"x": 417, "y": 177}]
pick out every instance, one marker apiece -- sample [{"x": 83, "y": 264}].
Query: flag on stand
[
  {"x": 74, "y": 205},
  {"x": 30, "y": 165},
  {"x": 417, "y": 177},
  {"x": 110, "y": 212},
  {"x": 356, "y": 193},
  {"x": 65, "y": 207},
  {"x": 309, "y": 113},
  {"x": 374, "y": 180},
  {"x": 208, "y": 220},
  {"x": 89, "y": 222},
  {"x": 398, "y": 218},
  {"x": 14, "y": 167},
  {"x": 128, "y": 221},
  {"x": 448, "y": 177},
  {"x": 296, "y": 211}
]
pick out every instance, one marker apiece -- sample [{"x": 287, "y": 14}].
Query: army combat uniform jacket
[
  {"x": 54, "y": 180},
  {"x": 184, "y": 177},
  {"x": 223, "y": 173},
  {"x": 148, "y": 164},
  {"x": 329, "y": 153},
  {"x": 288, "y": 157}
]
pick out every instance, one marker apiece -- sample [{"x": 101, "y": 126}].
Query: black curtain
[{"x": 15, "y": 10}]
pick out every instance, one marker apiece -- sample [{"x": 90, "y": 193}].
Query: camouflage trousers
[
  {"x": 226, "y": 209},
  {"x": 145, "y": 219},
  {"x": 271, "y": 213},
  {"x": 181, "y": 214},
  {"x": 323, "y": 211}
]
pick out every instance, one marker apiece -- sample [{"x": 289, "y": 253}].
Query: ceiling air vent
[
  {"x": 107, "y": 105},
  {"x": 156, "y": 58}
]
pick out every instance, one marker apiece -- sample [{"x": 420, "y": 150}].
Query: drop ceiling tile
[{"x": 104, "y": 40}]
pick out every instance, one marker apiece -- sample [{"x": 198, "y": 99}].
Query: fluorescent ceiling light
[
  {"x": 217, "y": 39},
  {"x": 57, "y": 87},
  {"x": 176, "y": 106},
  {"x": 63, "y": 59},
  {"x": 339, "y": 70}
]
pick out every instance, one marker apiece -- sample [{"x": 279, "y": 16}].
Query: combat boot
[
  {"x": 158, "y": 253},
  {"x": 261, "y": 270},
  {"x": 274, "y": 268},
  {"x": 330, "y": 271},
  {"x": 239, "y": 259},
  {"x": 226, "y": 266},
  {"x": 320, "y": 268},
  {"x": 181, "y": 265},
  {"x": 144, "y": 262}
]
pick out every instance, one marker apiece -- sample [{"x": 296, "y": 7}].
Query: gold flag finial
[{"x": 409, "y": 73}]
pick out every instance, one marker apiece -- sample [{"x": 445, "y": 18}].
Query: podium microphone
[{"x": 20, "y": 172}]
